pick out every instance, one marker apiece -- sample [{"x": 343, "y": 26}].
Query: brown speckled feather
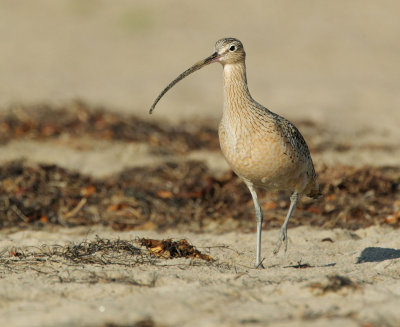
[{"x": 263, "y": 148}]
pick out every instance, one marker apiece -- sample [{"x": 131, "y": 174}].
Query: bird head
[{"x": 227, "y": 51}]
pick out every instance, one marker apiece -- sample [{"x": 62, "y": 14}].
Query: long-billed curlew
[{"x": 264, "y": 149}]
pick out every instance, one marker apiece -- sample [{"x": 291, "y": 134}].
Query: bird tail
[{"x": 314, "y": 191}]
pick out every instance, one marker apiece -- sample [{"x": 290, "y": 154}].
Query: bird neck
[{"x": 236, "y": 92}]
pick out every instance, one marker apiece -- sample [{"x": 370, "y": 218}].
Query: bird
[{"x": 264, "y": 149}]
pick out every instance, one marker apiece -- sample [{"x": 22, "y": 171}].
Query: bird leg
[
  {"x": 259, "y": 219},
  {"x": 283, "y": 232}
]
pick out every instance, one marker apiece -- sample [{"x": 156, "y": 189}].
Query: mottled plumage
[{"x": 264, "y": 149}]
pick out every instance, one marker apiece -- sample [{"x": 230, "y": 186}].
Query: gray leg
[
  {"x": 283, "y": 232},
  {"x": 259, "y": 218}
]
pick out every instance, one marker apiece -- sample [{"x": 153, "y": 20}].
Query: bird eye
[{"x": 232, "y": 48}]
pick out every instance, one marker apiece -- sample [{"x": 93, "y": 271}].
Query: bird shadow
[{"x": 375, "y": 254}]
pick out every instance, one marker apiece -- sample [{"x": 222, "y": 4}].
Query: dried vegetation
[
  {"x": 78, "y": 119},
  {"x": 188, "y": 197},
  {"x": 183, "y": 195},
  {"x": 101, "y": 251}
]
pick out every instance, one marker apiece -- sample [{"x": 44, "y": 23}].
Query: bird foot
[
  {"x": 259, "y": 265},
  {"x": 282, "y": 237}
]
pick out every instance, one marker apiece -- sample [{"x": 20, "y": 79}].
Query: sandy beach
[{"x": 88, "y": 178}]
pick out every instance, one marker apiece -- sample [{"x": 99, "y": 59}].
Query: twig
[
  {"x": 74, "y": 211},
  {"x": 19, "y": 213}
]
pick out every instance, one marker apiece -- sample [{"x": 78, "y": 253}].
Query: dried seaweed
[
  {"x": 335, "y": 283},
  {"x": 187, "y": 196},
  {"x": 184, "y": 195},
  {"x": 358, "y": 197},
  {"x": 169, "y": 249},
  {"x": 79, "y": 119},
  {"x": 87, "y": 252},
  {"x": 141, "y": 323},
  {"x": 101, "y": 251},
  {"x": 300, "y": 265}
]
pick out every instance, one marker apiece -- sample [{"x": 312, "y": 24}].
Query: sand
[
  {"x": 227, "y": 292},
  {"x": 334, "y": 64}
]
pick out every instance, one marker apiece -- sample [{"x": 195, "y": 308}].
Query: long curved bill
[{"x": 213, "y": 58}]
